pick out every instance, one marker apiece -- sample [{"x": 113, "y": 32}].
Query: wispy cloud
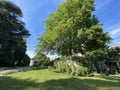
[
  {"x": 102, "y": 3},
  {"x": 115, "y": 44},
  {"x": 52, "y": 57},
  {"x": 114, "y": 31}
]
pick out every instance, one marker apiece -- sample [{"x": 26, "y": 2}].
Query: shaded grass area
[{"x": 48, "y": 80}]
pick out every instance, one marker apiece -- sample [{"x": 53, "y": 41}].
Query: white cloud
[
  {"x": 52, "y": 57},
  {"x": 30, "y": 53},
  {"x": 102, "y": 4},
  {"x": 116, "y": 44},
  {"x": 115, "y": 32}
]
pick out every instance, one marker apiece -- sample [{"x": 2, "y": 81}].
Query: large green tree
[
  {"x": 12, "y": 33},
  {"x": 73, "y": 28}
]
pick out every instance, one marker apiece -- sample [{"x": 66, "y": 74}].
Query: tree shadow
[
  {"x": 9, "y": 83},
  {"x": 56, "y": 71},
  {"x": 67, "y": 84},
  {"x": 80, "y": 84},
  {"x": 114, "y": 78}
]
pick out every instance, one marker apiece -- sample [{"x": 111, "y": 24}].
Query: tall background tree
[
  {"x": 12, "y": 34},
  {"x": 73, "y": 28}
]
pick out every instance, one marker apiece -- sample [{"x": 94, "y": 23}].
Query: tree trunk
[{"x": 70, "y": 50}]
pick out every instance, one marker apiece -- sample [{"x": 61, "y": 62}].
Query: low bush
[
  {"x": 82, "y": 71},
  {"x": 103, "y": 61},
  {"x": 50, "y": 68},
  {"x": 96, "y": 75},
  {"x": 68, "y": 66}
]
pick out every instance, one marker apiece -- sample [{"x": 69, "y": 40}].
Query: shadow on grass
[
  {"x": 80, "y": 84},
  {"x": 57, "y": 71},
  {"x": 117, "y": 78},
  {"x": 8, "y": 83}
]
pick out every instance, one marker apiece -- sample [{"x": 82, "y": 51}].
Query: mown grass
[{"x": 49, "y": 80}]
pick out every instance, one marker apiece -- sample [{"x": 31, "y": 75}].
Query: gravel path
[{"x": 5, "y": 72}]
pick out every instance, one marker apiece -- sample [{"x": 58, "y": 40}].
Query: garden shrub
[
  {"x": 60, "y": 67},
  {"x": 68, "y": 69},
  {"x": 73, "y": 70},
  {"x": 96, "y": 75},
  {"x": 64, "y": 66},
  {"x": 82, "y": 71},
  {"x": 50, "y": 68},
  {"x": 90, "y": 63}
]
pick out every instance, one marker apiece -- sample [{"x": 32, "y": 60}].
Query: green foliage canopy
[
  {"x": 12, "y": 33},
  {"x": 73, "y": 28}
]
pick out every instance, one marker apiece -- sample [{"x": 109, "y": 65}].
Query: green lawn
[{"x": 49, "y": 80}]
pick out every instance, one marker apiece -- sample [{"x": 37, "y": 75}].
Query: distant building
[{"x": 33, "y": 61}]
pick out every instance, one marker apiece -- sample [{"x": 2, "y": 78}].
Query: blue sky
[{"x": 36, "y": 11}]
